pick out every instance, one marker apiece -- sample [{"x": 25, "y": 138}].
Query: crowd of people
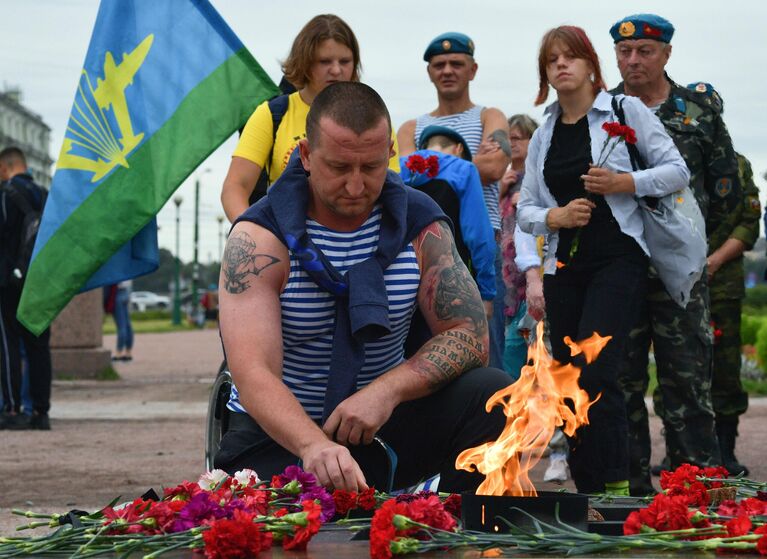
[
  {"x": 544, "y": 226},
  {"x": 378, "y": 287}
]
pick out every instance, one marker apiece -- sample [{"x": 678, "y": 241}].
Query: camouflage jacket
[
  {"x": 728, "y": 282},
  {"x": 694, "y": 122}
]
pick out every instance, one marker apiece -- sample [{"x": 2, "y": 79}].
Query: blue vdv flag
[{"x": 164, "y": 83}]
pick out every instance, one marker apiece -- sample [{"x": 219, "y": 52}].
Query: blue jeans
[
  {"x": 515, "y": 350},
  {"x": 497, "y": 325},
  {"x": 122, "y": 320}
]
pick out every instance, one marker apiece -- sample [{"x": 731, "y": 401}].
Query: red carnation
[
  {"x": 164, "y": 513},
  {"x": 238, "y": 538},
  {"x": 185, "y": 490},
  {"x": 753, "y": 507},
  {"x": 367, "y": 499},
  {"x": 432, "y": 166},
  {"x": 416, "y": 164},
  {"x": 633, "y": 524},
  {"x": 453, "y": 505},
  {"x": 739, "y": 526},
  {"x": 127, "y": 518},
  {"x": 431, "y": 511},
  {"x": 344, "y": 501},
  {"x": 761, "y": 544},
  {"x": 303, "y": 534},
  {"x": 663, "y": 514},
  {"x": 612, "y": 128},
  {"x": 629, "y": 135},
  {"x": 382, "y": 531}
]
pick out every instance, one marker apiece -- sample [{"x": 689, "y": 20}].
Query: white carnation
[
  {"x": 246, "y": 477},
  {"x": 210, "y": 480}
]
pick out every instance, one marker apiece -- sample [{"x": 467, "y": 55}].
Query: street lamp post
[
  {"x": 176, "y": 280},
  {"x": 220, "y": 220},
  {"x": 196, "y": 262}
]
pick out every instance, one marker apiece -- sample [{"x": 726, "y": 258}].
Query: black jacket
[{"x": 12, "y": 218}]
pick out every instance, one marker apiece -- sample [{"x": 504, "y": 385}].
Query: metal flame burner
[{"x": 482, "y": 512}]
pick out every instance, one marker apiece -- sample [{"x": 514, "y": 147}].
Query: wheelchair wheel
[{"x": 218, "y": 414}]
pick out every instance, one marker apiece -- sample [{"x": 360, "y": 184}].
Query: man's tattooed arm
[
  {"x": 241, "y": 261},
  {"x": 450, "y": 302}
]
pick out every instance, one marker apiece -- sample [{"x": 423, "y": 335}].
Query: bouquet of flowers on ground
[{"x": 226, "y": 517}]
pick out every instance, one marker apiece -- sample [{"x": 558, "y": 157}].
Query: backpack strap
[
  {"x": 19, "y": 198},
  {"x": 278, "y": 106},
  {"x": 637, "y": 161}
]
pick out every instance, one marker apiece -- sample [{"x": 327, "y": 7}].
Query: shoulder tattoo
[{"x": 241, "y": 261}]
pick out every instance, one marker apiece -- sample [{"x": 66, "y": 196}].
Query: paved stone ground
[{"x": 122, "y": 437}]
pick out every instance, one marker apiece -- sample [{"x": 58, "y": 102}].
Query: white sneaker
[{"x": 557, "y": 470}]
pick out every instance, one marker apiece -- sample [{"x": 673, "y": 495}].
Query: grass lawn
[
  {"x": 752, "y": 386},
  {"x": 151, "y": 325}
]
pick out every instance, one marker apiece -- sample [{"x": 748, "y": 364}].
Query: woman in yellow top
[{"x": 325, "y": 51}]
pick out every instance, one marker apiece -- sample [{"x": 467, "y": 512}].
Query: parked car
[{"x": 143, "y": 300}]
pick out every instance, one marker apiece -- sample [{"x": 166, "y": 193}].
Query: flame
[{"x": 534, "y": 406}]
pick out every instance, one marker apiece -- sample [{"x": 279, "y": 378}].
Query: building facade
[{"x": 24, "y": 129}]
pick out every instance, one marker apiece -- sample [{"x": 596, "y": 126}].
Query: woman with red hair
[{"x": 597, "y": 259}]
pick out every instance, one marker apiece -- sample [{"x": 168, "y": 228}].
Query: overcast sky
[{"x": 43, "y": 45}]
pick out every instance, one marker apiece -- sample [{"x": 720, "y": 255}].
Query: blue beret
[
  {"x": 642, "y": 26},
  {"x": 449, "y": 43},
  {"x": 434, "y": 130},
  {"x": 712, "y": 97}
]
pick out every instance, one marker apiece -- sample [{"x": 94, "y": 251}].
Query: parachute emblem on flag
[{"x": 97, "y": 140}]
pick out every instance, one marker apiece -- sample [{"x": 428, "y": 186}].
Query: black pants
[
  {"x": 37, "y": 348},
  {"x": 603, "y": 297},
  {"x": 426, "y": 434}
]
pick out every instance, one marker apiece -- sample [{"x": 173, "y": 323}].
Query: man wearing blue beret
[
  {"x": 451, "y": 67},
  {"x": 682, "y": 339}
]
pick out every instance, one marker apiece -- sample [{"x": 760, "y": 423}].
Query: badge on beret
[
  {"x": 446, "y": 45},
  {"x": 471, "y": 45},
  {"x": 701, "y": 88},
  {"x": 651, "y": 31},
  {"x": 627, "y": 29},
  {"x": 723, "y": 187}
]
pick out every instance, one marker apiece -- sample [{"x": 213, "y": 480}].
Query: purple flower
[
  {"x": 327, "y": 504},
  {"x": 199, "y": 509},
  {"x": 237, "y": 504},
  {"x": 306, "y": 479}
]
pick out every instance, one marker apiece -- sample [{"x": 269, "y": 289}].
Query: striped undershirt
[
  {"x": 469, "y": 125},
  {"x": 308, "y": 314}
]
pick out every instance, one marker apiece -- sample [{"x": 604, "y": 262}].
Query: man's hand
[
  {"x": 509, "y": 179},
  {"x": 603, "y": 181},
  {"x": 333, "y": 466},
  {"x": 357, "y": 419},
  {"x": 575, "y": 214},
  {"x": 731, "y": 249}
]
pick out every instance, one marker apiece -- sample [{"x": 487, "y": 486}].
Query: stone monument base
[
  {"x": 76, "y": 338},
  {"x": 80, "y": 363}
]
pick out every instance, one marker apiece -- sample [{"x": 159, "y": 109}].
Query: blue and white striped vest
[
  {"x": 308, "y": 314},
  {"x": 469, "y": 125}
]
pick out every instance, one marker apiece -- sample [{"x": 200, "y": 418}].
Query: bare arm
[
  {"x": 490, "y": 160},
  {"x": 406, "y": 138},
  {"x": 450, "y": 302},
  {"x": 238, "y": 186},
  {"x": 254, "y": 271},
  {"x": 731, "y": 249}
]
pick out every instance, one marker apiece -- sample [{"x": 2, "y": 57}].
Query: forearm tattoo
[
  {"x": 452, "y": 296},
  {"x": 241, "y": 261}
]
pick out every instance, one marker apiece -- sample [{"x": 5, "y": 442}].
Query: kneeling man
[{"x": 318, "y": 285}]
